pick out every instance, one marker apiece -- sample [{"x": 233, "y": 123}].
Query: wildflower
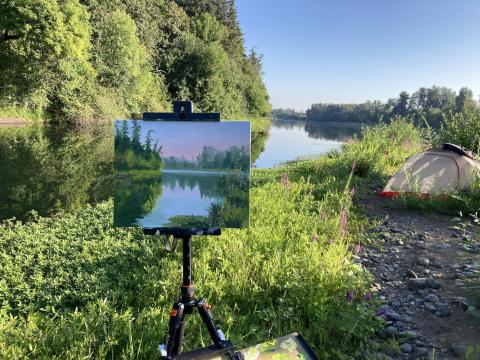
[
  {"x": 314, "y": 237},
  {"x": 382, "y": 312},
  {"x": 285, "y": 181},
  {"x": 330, "y": 242},
  {"x": 343, "y": 222},
  {"x": 357, "y": 249},
  {"x": 349, "y": 296},
  {"x": 368, "y": 296}
]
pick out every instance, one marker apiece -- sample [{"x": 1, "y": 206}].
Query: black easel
[
  {"x": 172, "y": 350},
  {"x": 188, "y": 303}
]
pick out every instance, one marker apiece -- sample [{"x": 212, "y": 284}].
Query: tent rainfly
[{"x": 435, "y": 172}]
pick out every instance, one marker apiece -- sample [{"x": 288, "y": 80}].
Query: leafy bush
[{"x": 462, "y": 129}]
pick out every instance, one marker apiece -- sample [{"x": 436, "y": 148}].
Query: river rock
[
  {"x": 432, "y": 298},
  {"x": 433, "y": 284},
  {"x": 406, "y": 348},
  {"x": 458, "y": 350},
  {"x": 416, "y": 283},
  {"x": 390, "y": 331},
  {"x": 429, "y": 306},
  {"x": 421, "y": 351},
  {"x": 423, "y": 261}
]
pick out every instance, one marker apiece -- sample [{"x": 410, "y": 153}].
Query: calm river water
[
  {"x": 291, "y": 140},
  {"x": 47, "y": 168}
]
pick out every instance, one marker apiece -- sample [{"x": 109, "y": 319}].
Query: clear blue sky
[{"x": 352, "y": 50}]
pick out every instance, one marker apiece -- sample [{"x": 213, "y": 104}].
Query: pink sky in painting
[{"x": 186, "y": 139}]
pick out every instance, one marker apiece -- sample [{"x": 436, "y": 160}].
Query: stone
[
  {"x": 432, "y": 298},
  {"x": 421, "y": 351},
  {"x": 443, "y": 312},
  {"x": 392, "y": 315},
  {"x": 458, "y": 350},
  {"x": 390, "y": 331},
  {"x": 429, "y": 306},
  {"x": 433, "y": 284},
  {"x": 406, "y": 348},
  {"x": 423, "y": 261},
  {"x": 417, "y": 283}
]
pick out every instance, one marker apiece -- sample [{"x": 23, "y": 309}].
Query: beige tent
[{"x": 435, "y": 172}]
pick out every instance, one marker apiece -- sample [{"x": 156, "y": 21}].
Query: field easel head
[{"x": 182, "y": 111}]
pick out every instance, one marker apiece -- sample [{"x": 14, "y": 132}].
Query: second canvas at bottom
[{"x": 182, "y": 174}]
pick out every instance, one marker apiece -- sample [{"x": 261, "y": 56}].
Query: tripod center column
[{"x": 187, "y": 287}]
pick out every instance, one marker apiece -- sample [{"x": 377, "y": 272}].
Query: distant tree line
[
  {"x": 288, "y": 114},
  {"x": 90, "y": 58},
  {"x": 426, "y": 104},
  {"x": 211, "y": 158},
  {"x": 131, "y": 154}
]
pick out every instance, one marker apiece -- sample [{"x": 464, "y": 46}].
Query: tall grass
[{"x": 72, "y": 286}]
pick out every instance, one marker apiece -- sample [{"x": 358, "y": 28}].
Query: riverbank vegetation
[
  {"x": 426, "y": 105},
  {"x": 77, "y": 60},
  {"x": 74, "y": 286}
]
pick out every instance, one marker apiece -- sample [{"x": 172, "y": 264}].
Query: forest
[
  {"x": 73, "y": 61},
  {"x": 213, "y": 159},
  {"x": 426, "y": 105},
  {"x": 130, "y": 153}
]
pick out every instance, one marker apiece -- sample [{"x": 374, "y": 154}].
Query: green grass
[{"x": 74, "y": 287}]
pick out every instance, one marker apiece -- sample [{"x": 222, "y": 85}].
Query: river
[
  {"x": 292, "y": 139},
  {"x": 47, "y": 168}
]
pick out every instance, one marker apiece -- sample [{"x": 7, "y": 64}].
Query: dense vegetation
[
  {"x": 130, "y": 153},
  {"x": 72, "y": 59},
  {"x": 212, "y": 158},
  {"x": 425, "y": 105}
]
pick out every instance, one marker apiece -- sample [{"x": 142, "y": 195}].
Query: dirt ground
[{"x": 428, "y": 275}]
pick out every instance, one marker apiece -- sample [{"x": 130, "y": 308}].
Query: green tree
[
  {"x": 124, "y": 65},
  {"x": 45, "y": 50}
]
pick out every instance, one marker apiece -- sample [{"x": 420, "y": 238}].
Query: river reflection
[{"x": 291, "y": 140}]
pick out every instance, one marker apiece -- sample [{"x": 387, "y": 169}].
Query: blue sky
[
  {"x": 353, "y": 51},
  {"x": 188, "y": 138}
]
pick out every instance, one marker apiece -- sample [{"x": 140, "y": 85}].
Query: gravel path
[{"x": 428, "y": 275}]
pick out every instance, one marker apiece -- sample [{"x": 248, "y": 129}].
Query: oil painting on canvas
[{"x": 182, "y": 174}]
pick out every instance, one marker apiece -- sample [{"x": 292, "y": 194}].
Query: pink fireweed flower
[
  {"x": 357, "y": 249},
  {"x": 368, "y": 296},
  {"x": 285, "y": 181},
  {"x": 314, "y": 237},
  {"x": 349, "y": 296},
  {"x": 343, "y": 222}
]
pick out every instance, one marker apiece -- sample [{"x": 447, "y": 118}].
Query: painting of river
[{"x": 181, "y": 175}]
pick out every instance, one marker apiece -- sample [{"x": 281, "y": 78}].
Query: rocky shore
[{"x": 427, "y": 274}]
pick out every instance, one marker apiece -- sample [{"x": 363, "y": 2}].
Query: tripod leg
[
  {"x": 207, "y": 319},
  {"x": 176, "y": 330}
]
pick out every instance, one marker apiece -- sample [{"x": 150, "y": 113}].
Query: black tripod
[{"x": 172, "y": 350}]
